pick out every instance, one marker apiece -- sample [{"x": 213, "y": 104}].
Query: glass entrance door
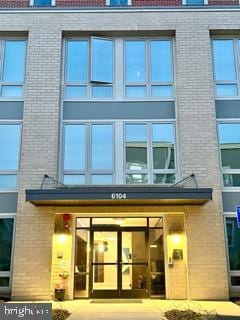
[{"x": 119, "y": 262}]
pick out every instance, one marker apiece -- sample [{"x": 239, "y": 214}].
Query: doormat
[{"x": 116, "y": 301}]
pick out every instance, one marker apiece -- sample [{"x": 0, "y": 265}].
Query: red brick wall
[
  {"x": 14, "y": 3},
  {"x": 223, "y": 2},
  {"x": 102, "y": 3},
  {"x": 156, "y": 2},
  {"x": 80, "y": 3}
]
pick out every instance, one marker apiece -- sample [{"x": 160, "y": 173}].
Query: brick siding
[{"x": 102, "y": 3}]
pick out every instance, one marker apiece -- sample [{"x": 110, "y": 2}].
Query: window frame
[
  {"x": 119, "y": 156},
  {"x": 32, "y": 4},
  {"x": 88, "y": 172},
  {"x": 108, "y": 3},
  {"x": 236, "y": 50},
  {"x": 13, "y": 172},
  {"x": 118, "y": 84},
  {"x": 231, "y": 273},
  {"x": 226, "y": 171},
  {"x": 150, "y": 171},
  {"x": 184, "y": 3},
  {"x": 148, "y": 83},
  {"x": 7, "y": 289},
  {"x": 2, "y": 83}
]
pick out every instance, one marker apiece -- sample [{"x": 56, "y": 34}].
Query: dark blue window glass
[
  {"x": 118, "y": 2},
  {"x": 195, "y": 2},
  {"x": 6, "y": 235},
  {"x": 42, "y": 3}
]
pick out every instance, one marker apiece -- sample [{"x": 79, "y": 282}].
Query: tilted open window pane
[
  {"x": 229, "y": 136},
  {"x": 136, "y": 146},
  {"x": 135, "y": 59},
  {"x": 163, "y": 146},
  {"x": 102, "y": 60},
  {"x": 224, "y": 61},
  {"x": 14, "y": 61},
  {"x": 161, "y": 61},
  {"x": 74, "y": 147},
  {"x": 6, "y": 235},
  {"x": 77, "y": 61},
  {"x": 102, "y": 146},
  {"x": 9, "y": 146}
]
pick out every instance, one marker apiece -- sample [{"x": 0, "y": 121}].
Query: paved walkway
[{"x": 143, "y": 309}]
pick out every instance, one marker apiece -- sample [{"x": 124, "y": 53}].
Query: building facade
[{"x": 119, "y": 138}]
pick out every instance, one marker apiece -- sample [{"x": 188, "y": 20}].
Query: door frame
[{"x": 119, "y": 292}]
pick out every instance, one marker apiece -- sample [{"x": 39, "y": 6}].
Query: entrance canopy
[{"x": 115, "y": 195}]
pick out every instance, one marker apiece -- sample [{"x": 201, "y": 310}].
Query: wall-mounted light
[
  {"x": 176, "y": 238},
  {"x": 62, "y": 238}
]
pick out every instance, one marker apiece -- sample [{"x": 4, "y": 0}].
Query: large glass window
[
  {"x": 150, "y": 153},
  {"x": 95, "y": 54},
  {"x": 12, "y": 53},
  {"x": 127, "y": 152},
  {"x": 6, "y": 238},
  {"x": 137, "y": 69},
  {"x": 88, "y": 154},
  {"x": 148, "y": 69},
  {"x": 42, "y": 3},
  {"x": 119, "y": 2},
  {"x": 9, "y": 151},
  {"x": 233, "y": 238},
  {"x": 229, "y": 140},
  {"x": 225, "y": 60}
]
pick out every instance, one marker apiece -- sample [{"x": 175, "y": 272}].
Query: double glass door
[
  {"x": 119, "y": 264},
  {"x": 114, "y": 260}
]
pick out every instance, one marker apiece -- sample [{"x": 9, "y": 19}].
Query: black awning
[{"x": 118, "y": 195}]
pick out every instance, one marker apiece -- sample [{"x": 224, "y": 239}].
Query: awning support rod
[
  {"x": 188, "y": 177},
  {"x": 46, "y": 176}
]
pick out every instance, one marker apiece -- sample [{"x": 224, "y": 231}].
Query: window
[
  {"x": 80, "y": 83},
  {"x": 144, "y": 69},
  {"x": 225, "y": 60},
  {"x": 88, "y": 154},
  {"x": 148, "y": 69},
  {"x": 12, "y": 53},
  {"x": 118, "y": 2},
  {"x": 6, "y": 239},
  {"x": 194, "y": 2},
  {"x": 143, "y": 152},
  {"x": 9, "y": 151},
  {"x": 233, "y": 236},
  {"x": 149, "y": 153},
  {"x": 229, "y": 140},
  {"x": 42, "y": 3}
]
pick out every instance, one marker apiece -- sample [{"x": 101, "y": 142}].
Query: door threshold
[{"x": 116, "y": 301}]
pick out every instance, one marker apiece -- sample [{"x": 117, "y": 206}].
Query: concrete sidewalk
[{"x": 143, "y": 309}]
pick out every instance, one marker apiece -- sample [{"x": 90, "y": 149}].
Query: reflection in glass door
[
  {"x": 105, "y": 256},
  {"x": 134, "y": 260},
  {"x": 119, "y": 263},
  {"x": 81, "y": 272}
]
